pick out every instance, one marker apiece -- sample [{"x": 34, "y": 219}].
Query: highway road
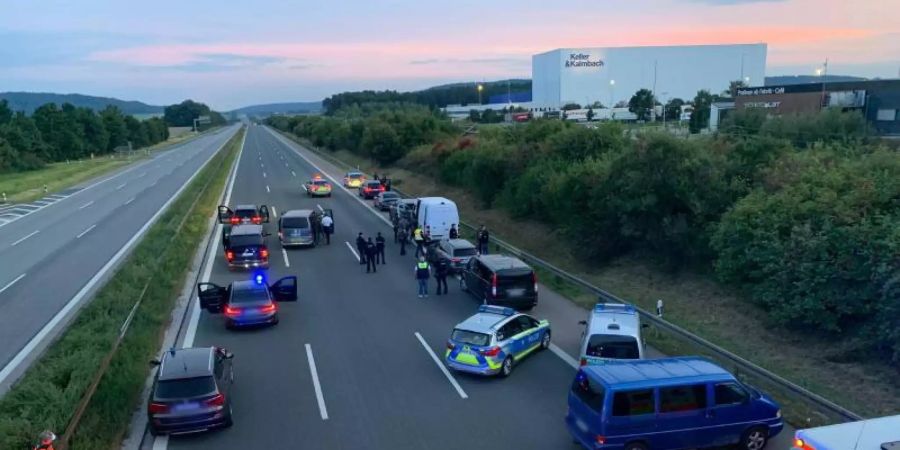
[
  {"x": 356, "y": 363},
  {"x": 55, "y": 252}
]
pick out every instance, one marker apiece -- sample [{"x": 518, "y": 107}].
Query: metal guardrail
[{"x": 821, "y": 406}]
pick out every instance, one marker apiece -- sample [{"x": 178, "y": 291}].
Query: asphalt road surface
[
  {"x": 52, "y": 257},
  {"x": 352, "y": 363}
]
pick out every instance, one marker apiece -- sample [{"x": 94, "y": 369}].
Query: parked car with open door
[
  {"x": 248, "y": 302},
  {"x": 241, "y": 215}
]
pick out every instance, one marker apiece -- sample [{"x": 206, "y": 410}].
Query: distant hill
[
  {"x": 781, "y": 80},
  {"x": 278, "y": 108},
  {"x": 29, "y": 101}
]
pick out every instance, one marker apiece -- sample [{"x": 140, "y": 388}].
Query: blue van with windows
[{"x": 668, "y": 403}]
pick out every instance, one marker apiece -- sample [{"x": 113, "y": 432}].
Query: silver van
[
  {"x": 295, "y": 227},
  {"x": 613, "y": 331}
]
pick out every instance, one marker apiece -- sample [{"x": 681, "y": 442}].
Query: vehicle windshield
[
  {"x": 257, "y": 294},
  {"x": 185, "y": 388},
  {"x": 471, "y": 337},
  {"x": 614, "y": 346},
  {"x": 354, "y": 175},
  {"x": 244, "y": 240},
  {"x": 295, "y": 222}
]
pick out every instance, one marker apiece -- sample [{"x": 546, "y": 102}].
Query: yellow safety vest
[{"x": 418, "y": 234}]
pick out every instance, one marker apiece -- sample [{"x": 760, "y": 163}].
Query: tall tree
[
  {"x": 700, "y": 116},
  {"x": 114, "y": 122},
  {"x": 96, "y": 138},
  {"x": 673, "y": 109},
  {"x": 641, "y": 103},
  {"x": 733, "y": 87}
]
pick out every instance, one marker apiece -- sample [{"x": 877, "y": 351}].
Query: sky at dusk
[{"x": 231, "y": 54}]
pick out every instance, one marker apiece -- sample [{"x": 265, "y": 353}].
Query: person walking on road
[
  {"x": 404, "y": 239},
  {"x": 327, "y": 228},
  {"x": 361, "y": 248},
  {"x": 484, "y": 238},
  {"x": 419, "y": 238},
  {"x": 422, "y": 274},
  {"x": 371, "y": 254},
  {"x": 441, "y": 270},
  {"x": 379, "y": 249},
  {"x": 454, "y": 233}
]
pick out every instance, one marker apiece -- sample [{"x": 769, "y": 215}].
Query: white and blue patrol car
[{"x": 492, "y": 341}]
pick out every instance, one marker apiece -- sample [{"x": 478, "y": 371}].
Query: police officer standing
[
  {"x": 419, "y": 238},
  {"x": 371, "y": 254},
  {"x": 440, "y": 274},
  {"x": 316, "y": 228},
  {"x": 484, "y": 238},
  {"x": 379, "y": 249},
  {"x": 361, "y": 248},
  {"x": 422, "y": 274},
  {"x": 327, "y": 224},
  {"x": 404, "y": 239}
]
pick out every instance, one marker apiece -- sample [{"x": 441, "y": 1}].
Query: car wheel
[
  {"x": 545, "y": 341},
  {"x": 507, "y": 367},
  {"x": 754, "y": 439},
  {"x": 228, "y": 420},
  {"x": 635, "y": 446},
  {"x": 462, "y": 284}
]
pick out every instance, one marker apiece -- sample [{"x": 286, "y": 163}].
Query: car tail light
[
  {"x": 456, "y": 260},
  {"x": 534, "y": 280},
  {"x": 799, "y": 444},
  {"x": 450, "y": 345},
  {"x": 158, "y": 408},
  {"x": 493, "y": 351},
  {"x": 257, "y": 220},
  {"x": 583, "y": 362},
  {"x": 600, "y": 439},
  {"x": 231, "y": 311},
  {"x": 264, "y": 253},
  {"x": 235, "y": 220},
  {"x": 494, "y": 285},
  {"x": 229, "y": 255},
  {"x": 216, "y": 400},
  {"x": 270, "y": 308}
]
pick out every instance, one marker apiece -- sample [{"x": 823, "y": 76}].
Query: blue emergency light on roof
[
  {"x": 259, "y": 278},
  {"x": 614, "y": 308},
  {"x": 496, "y": 310}
]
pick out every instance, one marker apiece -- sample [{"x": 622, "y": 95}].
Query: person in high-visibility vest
[
  {"x": 419, "y": 237},
  {"x": 422, "y": 274},
  {"x": 46, "y": 439}
]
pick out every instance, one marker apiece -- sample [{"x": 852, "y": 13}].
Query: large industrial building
[{"x": 611, "y": 75}]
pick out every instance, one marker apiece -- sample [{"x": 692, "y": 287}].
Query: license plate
[
  {"x": 515, "y": 292},
  {"x": 186, "y": 407},
  {"x": 247, "y": 253}
]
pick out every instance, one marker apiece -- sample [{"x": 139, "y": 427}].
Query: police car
[
  {"x": 354, "y": 179},
  {"x": 613, "y": 331},
  {"x": 318, "y": 186},
  {"x": 492, "y": 341}
]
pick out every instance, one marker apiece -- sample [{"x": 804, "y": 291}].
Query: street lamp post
[
  {"x": 480, "y": 88},
  {"x": 612, "y": 87}
]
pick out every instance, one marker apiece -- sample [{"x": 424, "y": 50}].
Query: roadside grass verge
[
  {"x": 693, "y": 300},
  {"x": 47, "y": 395}
]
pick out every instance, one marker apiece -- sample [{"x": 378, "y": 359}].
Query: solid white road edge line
[
  {"x": 8, "y": 285},
  {"x": 86, "y": 231},
  {"x": 26, "y": 237},
  {"x": 441, "y": 366},
  {"x": 287, "y": 262},
  {"x": 318, "y": 387},
  {"x": 353, "y": 250},
  {"x": 568, "y": 359},
  {"x": 74, "y": 301}
]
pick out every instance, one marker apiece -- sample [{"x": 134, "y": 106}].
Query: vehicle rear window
[
  {"x": 633, "y": 403},
  {"x": 390, "y": 195},
  {"x": 613, "y": 346},
  {"x": 320, "y": 182},
  {"x": 245, "y": 240},
  {"x": 249, "y": 295},
  {"x": 471, "y": 337},
  {"x": 185, "y": 388},
  {"x": 245, "y": 213},
  {"x": 465, "y": 252},
  {"x": 517, "y": 278},
  {"x": 588, "y": 392},
  {"x": 295, "y": 222},
  {"x": 373, "y": 183}
]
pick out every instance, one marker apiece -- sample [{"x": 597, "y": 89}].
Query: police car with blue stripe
[{"x": 492, "y": 341}]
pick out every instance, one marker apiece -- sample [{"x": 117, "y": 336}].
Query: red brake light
[
  {"x": 270, "y": 308},
  {"x": 231, "y": 311},
  {"x": 217, "y": 400},
  {"x": 600, "y": 439},
  {"x": 158, "y": 408},
  {"x": 229, "y": 255},
  {"x": 256, "y": 219},
  {"x": 494, "y": 285},
  {"x": 455, "y": 259},
  {"x": 799, "y": 444},
  {"x": 235, "y": 220},
  {"x": 264, "y": 253},
  {"x": 450, "y": 345},
  {"x": 583, "y": 362},
  {"x": 493, "y": 351}
]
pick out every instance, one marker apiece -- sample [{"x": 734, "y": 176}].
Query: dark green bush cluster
[{"x": 56, "y": 133}]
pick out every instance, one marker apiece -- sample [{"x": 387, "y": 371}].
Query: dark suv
[
  {"x": 500, "y": 280},
  {"x": 249, "y": 302},
  {"x": 245, "y": 247},
  {"x": 191, "y": 391}
]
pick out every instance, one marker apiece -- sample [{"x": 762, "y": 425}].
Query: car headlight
[{"x": 778, "y": 414}]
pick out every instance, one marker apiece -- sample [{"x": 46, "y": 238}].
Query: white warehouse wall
[{"x": 583, "y": 75}]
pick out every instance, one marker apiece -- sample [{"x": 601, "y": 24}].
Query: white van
[
  {"x": 613, "y": 331},
  {"x": 438, "y": 213},
  {"x": 882, "y": 433}
]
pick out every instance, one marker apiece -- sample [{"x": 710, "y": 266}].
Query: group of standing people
[
  {"x": 371, "y": 253},
  {"x": 323, "y": 226}
]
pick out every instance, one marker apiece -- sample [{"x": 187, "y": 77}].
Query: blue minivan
[{"x": 668, "y": 403}]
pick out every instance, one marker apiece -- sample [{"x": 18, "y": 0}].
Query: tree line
[
  {"x": 58, "y": 133},
  {"x": 435, "y": 97},
  {"x": 800, "y": 213}
]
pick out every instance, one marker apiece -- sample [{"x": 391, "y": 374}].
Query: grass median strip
[{"x": 47, "y": 395}]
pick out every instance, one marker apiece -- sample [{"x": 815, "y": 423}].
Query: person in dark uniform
[
  {"x": 484, "y": 238},
  {"x": 441, "y": 270},
  {"x": 404, "y": 239},
  {"x": 316, "y": 228},
  {"x": 361, "y": 248},
  {"x": 379, "y": 247},
  {"x": 371, "y": 254},
  {"x": 454, "y": 233}
]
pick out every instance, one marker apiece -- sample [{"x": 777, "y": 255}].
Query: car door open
[
  {"x": 285, "y": 289},
  {"x": 225, "y": 214},
  {"x": 212, "y": 297},
  {"x": 264, "y": 213}
]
